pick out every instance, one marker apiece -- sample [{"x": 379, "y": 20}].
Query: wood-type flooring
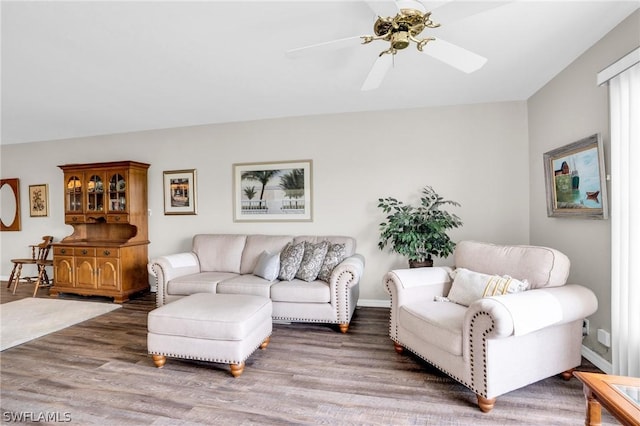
[{"x": 99, "y": 372}]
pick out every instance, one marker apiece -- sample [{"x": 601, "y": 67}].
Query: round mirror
[{"x": 10, "y": 199}]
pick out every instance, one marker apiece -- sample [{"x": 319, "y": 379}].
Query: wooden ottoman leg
[
  {"x": 237, "y": 369},
  {"x": 266, "y": 341},
  {"x": 398, "y": 347},
  {"x": 159, "y": 360}
]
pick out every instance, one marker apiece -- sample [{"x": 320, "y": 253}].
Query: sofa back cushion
[
  {"x": 256, "y": 244},
  {"x": 219, "y": 252},
  {"x": 349, "y": 242},
  {"x": 540, "y": 266}
]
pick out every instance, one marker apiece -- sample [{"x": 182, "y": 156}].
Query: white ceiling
[{"x": 72, "y": 69}]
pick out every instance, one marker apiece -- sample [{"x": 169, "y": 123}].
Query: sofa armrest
[
  {"x": 423, "y": 283},
  {"x": 353, "y": 266},
  {"x": 166, "y": 268},
  {"x": 343, "y": 283},
  {"x": 522, "y": 313},
  {"x": 414, "y": 285}
]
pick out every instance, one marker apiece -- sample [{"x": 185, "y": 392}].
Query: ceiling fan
[{"x": 400, "y": 23}]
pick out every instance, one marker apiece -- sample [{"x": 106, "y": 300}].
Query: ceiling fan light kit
[{"x": 401, "y": 30}]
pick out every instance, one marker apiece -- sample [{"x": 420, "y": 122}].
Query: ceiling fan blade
[
  {"x": 451, "y": 11},
  {"x": 327, "y": 45},
  {"x": 377, "y": 73},
  {"x": 391, "y": 8},
  {"x": 453, "y": 55}
]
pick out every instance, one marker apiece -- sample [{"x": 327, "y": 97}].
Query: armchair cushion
[
  {"x": 440, "y": 324},
  {"x": 541, "y": 266},
  {"x": 469, "y": 286}
]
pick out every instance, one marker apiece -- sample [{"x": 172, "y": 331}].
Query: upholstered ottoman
[{"x": 223, "y": 328}]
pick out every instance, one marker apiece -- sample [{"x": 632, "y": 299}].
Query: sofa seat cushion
[
  {"x": 211, "y": 316},
  {"x": 245, "y": 284},
  {"x": 202, "y": 282},
  {"x": 440, "y": 323},
  {"x": 299, "y": 291}
]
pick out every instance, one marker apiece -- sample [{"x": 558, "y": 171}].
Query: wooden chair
[{"x": 39, "y": 255}]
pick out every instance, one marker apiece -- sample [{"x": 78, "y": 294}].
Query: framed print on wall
[
  {"x": 39, "y": 200},
  {"x": 575, "y": 180},
  {"x": 180, "y": 192},
  {"x": 272, "y": 191}
]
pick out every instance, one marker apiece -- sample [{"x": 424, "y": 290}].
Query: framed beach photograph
[
  {"x": 39, "y": 200},
  {"x": 180, "y": 192},
  {"x": 575, "y": 180},
  {"x": 272, "y": 191}
]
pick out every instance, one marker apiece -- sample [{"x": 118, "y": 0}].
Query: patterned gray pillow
[
  {"x": 290, "y": 259},
  {"x": 312, "y": 260},
  {"x": 336, "y": 254}
]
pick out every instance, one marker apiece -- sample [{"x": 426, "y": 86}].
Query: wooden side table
[{"x": 618, "y": 394}]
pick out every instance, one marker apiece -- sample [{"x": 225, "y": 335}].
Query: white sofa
[
  {"x": 499, "y": 343},
  {"x": 225, "y": 263}
]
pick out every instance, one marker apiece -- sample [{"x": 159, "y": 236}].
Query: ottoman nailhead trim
[{"x": 218, "y": 360}]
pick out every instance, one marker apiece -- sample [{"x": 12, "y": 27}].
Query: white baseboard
[
  {"x": 597, "y": 360},
  {"x": 374, "y": 303}
]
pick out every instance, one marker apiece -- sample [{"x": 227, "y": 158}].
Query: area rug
[{"x": 30, "y": 318}]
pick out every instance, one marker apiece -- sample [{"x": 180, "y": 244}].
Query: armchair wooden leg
[
  {"x": 265, "y": 342},
  {"x": 567, "y": 375},
  {"x": 398, "y": 347},
  {"x": 486, "y": 404},
  {"x": 344, "y": 327}
]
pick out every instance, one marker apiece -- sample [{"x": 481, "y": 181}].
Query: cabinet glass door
[
  {"x": 117, "y": 193},
  {"x": 74, "y": 194},
  {"x": 95, "y": 194}
]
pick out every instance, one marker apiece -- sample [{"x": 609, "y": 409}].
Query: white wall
[
  {"x": 475, "y": 154},
  {"x": 569, "y": 108}
]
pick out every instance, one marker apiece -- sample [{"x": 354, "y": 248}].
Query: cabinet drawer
[
  {"x": 118, "y": 218},
  {"x": 63, "y": 251},
  {"x": 74, "y": 218},
  {"x": 107, "y": 252},
  {"x": 84, "y": 252}
]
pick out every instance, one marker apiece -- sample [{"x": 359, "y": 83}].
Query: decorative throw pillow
[
  {"x": 335, "y": 254},
  {"x": 268, "y": 266},
  {"x": 290, "y": 259},
  {"x": 469, "y": 286},
  {"x": 312, "y": 260}
]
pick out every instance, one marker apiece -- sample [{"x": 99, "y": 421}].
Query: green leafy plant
[{"x": 418, "y": 232}]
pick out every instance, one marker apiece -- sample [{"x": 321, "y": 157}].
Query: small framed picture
[
  {"x": 39, "y": 200},
  {"x": 180, "y": 192},
  {"x": 273, "y": 191},
  {"x": 575, "y": 180}
]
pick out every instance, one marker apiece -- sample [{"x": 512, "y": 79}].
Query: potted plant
[{"x": 418, "y": 232}]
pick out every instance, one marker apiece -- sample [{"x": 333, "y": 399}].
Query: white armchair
[{"x": 499, "y": 343}]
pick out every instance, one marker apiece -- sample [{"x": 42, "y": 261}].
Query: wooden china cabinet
[{"x": 106, "y": 255}]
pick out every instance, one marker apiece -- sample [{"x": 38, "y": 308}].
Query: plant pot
[{"x": 420, "y": 263}]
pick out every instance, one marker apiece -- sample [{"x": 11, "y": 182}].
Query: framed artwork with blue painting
[{"x": 575, "y": 180}]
